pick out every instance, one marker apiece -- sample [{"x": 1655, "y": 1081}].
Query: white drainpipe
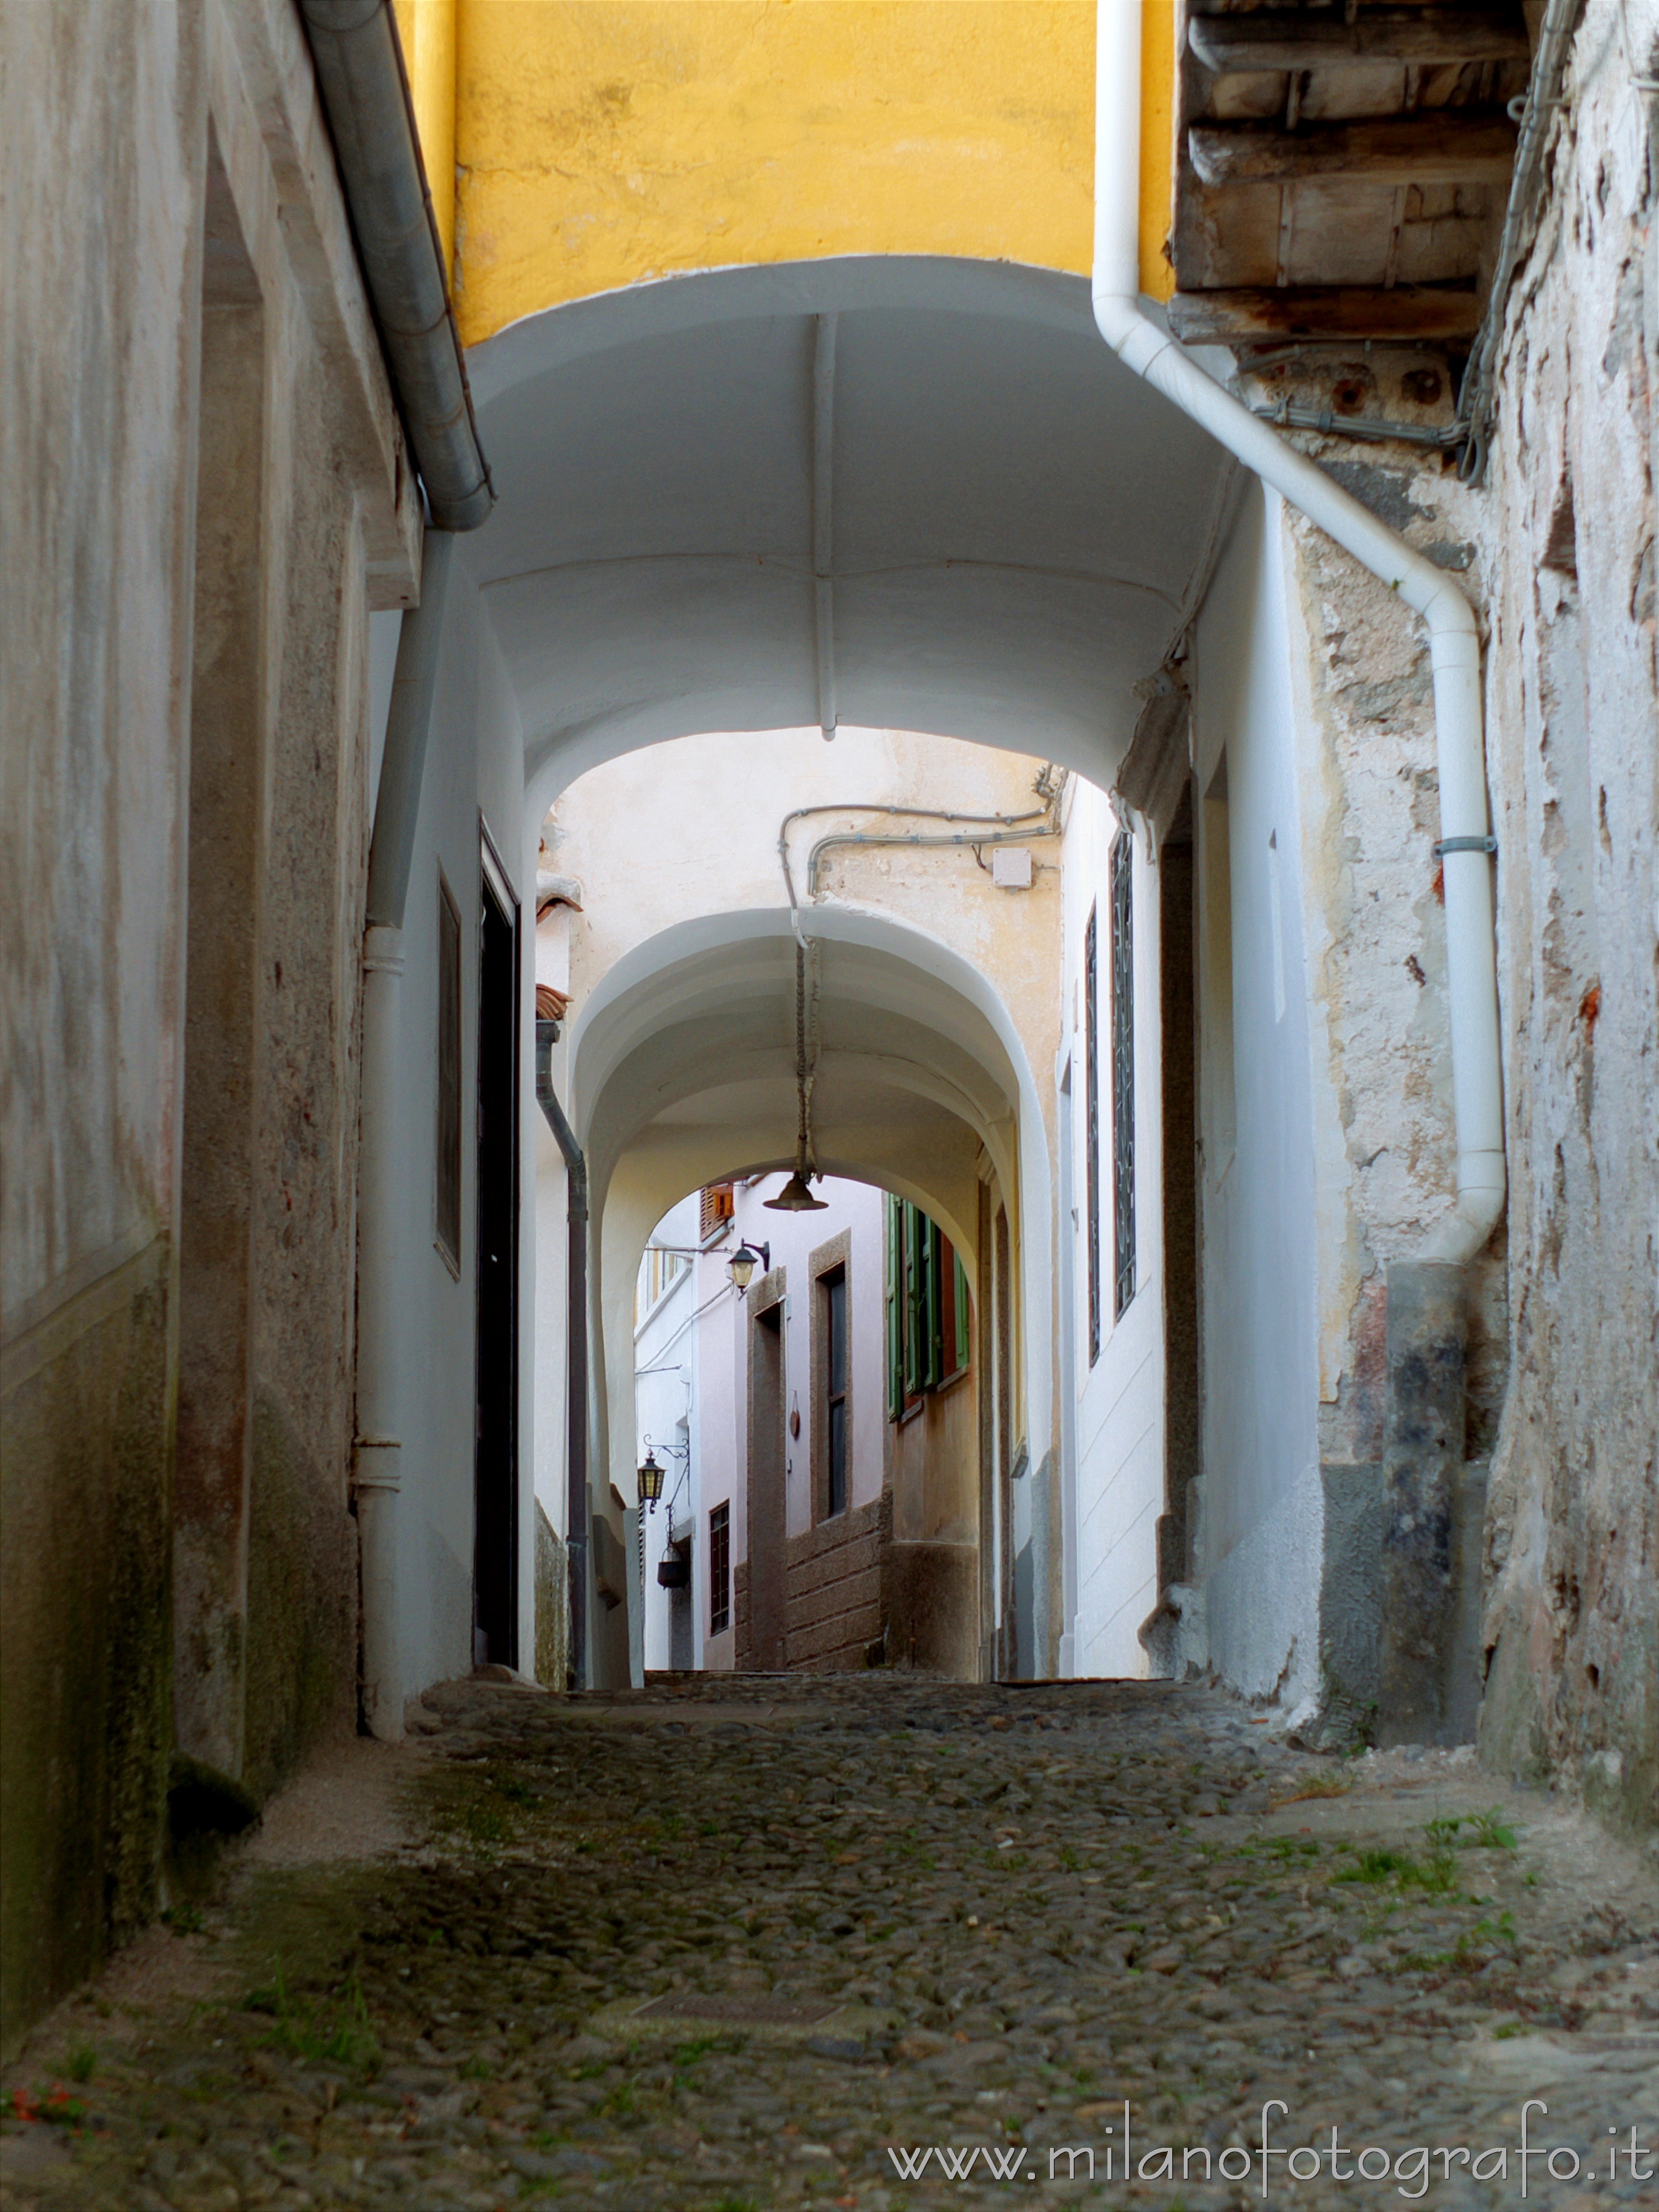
[
  {"x": 383, "y": 1301},
  {"x": 378, "y": 1473},
  {"x": 1454, "y": 641}
]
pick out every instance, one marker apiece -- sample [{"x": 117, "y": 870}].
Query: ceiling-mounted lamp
[
  {"x": 744, "y": 1262},
  {"x": 795, "y": 1197}
]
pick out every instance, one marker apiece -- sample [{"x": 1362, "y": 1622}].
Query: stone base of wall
[
  {"x": 932, "y": 1606},
  {"x": 85, "y": 1448},
  {"x": 1352, "y": 1598}
]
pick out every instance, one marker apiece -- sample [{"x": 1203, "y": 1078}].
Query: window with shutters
[
  {"x": 717, "y": 1207},
  {"x": 1123, "y": 1073},
  {"x": 928, "y": 1308}
]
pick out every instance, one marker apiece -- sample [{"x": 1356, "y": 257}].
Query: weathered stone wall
[
  {"x": 1376, "y": 941},
  {"x": 128, "y": 129},
  {"x": 1571, "y": 1627},
  {"x": 96, "y": 550},
  {"x": 1556, "y": 550}
]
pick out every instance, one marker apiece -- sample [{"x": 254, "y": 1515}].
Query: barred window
[
  {"x": 720, "y": 1570},
  {"x": 1123, "y": 1072}
]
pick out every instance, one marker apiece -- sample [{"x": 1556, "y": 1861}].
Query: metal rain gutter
[{"x": 371, "y": 118}]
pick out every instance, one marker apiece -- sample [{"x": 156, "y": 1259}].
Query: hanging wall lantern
[
  {"x": 650, "y": 1477},
  {"x": 744, "y": 1262}
]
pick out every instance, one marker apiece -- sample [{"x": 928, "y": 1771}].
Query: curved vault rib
[{"x": 801, "y": 570}]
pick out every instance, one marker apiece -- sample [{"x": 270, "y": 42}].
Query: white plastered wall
[
  {"x": 1117, "y": 1424},
  {"x": 473, "y": 774},
  {"x": 1261, "y": 1517}
]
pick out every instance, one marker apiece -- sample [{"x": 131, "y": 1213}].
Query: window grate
[
  {"x": 720, "y": 1570},
  {"x": 1123, "y": 1072}
]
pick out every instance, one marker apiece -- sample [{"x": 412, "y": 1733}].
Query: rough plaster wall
[
  {"x": 99, "y": 377},
  {"x": 1572, "y": 1624},
  {"x": 1364, "y": 737}
]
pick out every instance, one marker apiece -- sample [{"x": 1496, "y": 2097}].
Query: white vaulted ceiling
[{"x": 1012, "y": 518}]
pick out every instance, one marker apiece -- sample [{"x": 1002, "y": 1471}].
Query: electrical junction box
[{"x": 1010, "y": 867}]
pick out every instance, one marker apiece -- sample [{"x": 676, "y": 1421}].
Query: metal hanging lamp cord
[{"x": 796, "y": 1196}]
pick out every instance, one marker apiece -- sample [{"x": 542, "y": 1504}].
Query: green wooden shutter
[
  {"x": 895, "y": 1308},
  {"x": 915, "y": 1311},
  {"x": 932, "y": 1304},
  {"x": 964, "y": 1343}
]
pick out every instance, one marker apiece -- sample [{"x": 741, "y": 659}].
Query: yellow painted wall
[
  {"x": 427, "y": 30},
  {"x": 600, "y": 142}
]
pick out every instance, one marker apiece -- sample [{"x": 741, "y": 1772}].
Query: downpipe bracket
[{"x": 1444, "y": 845}]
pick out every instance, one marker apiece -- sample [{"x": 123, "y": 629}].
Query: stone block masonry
[{"x": 832, "y": 1593}]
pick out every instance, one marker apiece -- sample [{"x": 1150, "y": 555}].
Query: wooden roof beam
[
  {"x": 1419, "y": 313},
  {"x": 1229, "y": 45},
  {"x": 1431, "y": 149}
]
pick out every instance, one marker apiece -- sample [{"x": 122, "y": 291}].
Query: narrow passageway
[
  {"x": 745, "y": 1941},
  {"x": 856, "y": 897}
]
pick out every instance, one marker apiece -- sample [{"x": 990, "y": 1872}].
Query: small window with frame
[
  {"x": 720, "y": 1569},
  {"x": 832, "y": 1290}
]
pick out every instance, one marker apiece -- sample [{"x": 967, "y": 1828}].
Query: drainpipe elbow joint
[
  {"x": 1453, "y": 632},
  {"x": 1136, "y": 340},
  {"x": 1463, "y": 1234}
]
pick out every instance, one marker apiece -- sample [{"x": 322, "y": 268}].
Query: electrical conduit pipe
[
  {"x": 1453, "y": 642},
  {"x": 377, "y": 1456}
]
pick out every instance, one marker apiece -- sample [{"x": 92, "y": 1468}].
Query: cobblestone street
[{"x": 730, "y": 1943}]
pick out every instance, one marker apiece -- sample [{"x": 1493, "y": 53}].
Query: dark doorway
[
  {"x": 496, "y": 1469},
  {"x": 766, "y": 1506},
  {"x": 1178, "y": 1019}
]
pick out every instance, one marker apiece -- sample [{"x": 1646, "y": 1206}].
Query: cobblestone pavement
[{"x": 886, "y": 1915}]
